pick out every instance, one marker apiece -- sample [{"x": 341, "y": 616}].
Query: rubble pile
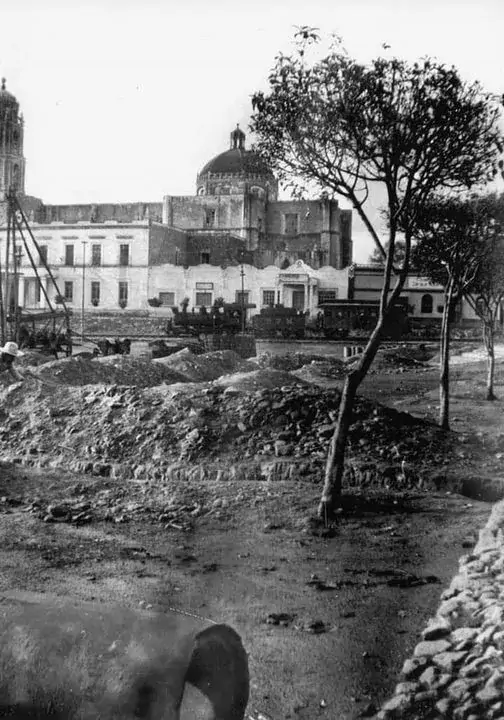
[
  {"x": 166, "y": 430},
  {"x": 456, "y": 671}
]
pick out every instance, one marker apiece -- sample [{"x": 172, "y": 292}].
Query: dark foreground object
[{"x": 69, "y": 661}]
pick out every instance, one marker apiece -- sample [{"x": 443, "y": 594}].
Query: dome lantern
[{"x": 237, "y": 139}]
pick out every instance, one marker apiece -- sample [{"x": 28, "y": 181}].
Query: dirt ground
[{"x": 327, "y": 618}]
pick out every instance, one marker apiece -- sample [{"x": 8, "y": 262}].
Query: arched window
[{"x": 426, "y": 306}]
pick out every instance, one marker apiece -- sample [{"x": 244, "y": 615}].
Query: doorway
[{"x": 298, "y": 299}]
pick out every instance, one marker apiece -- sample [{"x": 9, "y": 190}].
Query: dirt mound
[
  {"x": 133, "y": 431},
  {"x": 120, "y": 369},
  {"x": 208, "y": 366},
  {"x": 322, "y": 371},
  {"x": 33, "y": 358},
  {"x": 295, "y": 361},
  {"x": 257, "y": 380},
  {"x": 400, "y": 359}
]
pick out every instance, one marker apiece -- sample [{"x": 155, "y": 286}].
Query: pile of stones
[{"x": 457, "y": 670}]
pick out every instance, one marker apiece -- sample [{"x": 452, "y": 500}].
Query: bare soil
[{"x": 327, "y": 617}]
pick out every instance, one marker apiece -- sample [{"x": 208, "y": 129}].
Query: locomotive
[{"x": 225, "y": 318}]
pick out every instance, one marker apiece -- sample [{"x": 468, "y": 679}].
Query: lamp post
[
  {"x": 83, "y": 287},
  {"x": 242, "y": 275}
]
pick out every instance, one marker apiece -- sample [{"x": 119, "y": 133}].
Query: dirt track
[{"x": 347, "y": 630}]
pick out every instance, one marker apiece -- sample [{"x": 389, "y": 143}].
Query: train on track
[
  {"x": 334, "y": 321},
  {"x": 337, "y": 320}
]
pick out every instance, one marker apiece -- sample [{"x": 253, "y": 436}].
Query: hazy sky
[{"x": 125, "y": 100}]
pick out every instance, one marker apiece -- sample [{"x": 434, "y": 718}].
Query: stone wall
[{"x": 123, "y": 323}]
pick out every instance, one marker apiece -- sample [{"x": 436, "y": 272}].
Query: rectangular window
[
  {"x": 167, "y": 298},
  {"x": 210, "y": 218},
  {"x": 37, "y": 292},
  {"x": 123, "y": 293},
  {"x": 95, "y": 255},
  {"x": 327, "y": 296},
  {"x": 69, "y": 255},
  {"x": 205, "y": 258},
  {"x": 291, "y": 223},
  {"x": 203, "y": 298},
  {"x": 242, "y": 297},
  {"x": 268, "y": 297},
  {"x": 95, "y": 293},
  {"x": 123, "y": 255},
  {"x": 42, "y": 254},
  {"x": 68, "y": 292}
]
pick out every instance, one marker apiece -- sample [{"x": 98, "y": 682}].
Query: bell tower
[{"x": 12, "y": 162}]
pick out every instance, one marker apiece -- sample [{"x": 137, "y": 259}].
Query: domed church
[
  {"x": 237, "y": 196},
  {"x": 232, "y": 236}
]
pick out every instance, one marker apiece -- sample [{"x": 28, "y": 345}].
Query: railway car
[
  {"x": 357, "y": 318},
  {"x": 334, "y": 321},
  {"x": 280, "y": 322}
]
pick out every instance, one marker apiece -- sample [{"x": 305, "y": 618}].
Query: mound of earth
[
  {"x": 208, "y": 366},
  {"x": 132, "y": 431},
  {"x": 392, "y": 360},
  {"x": 320, "y": 371},
  {"x": 121, "y": 369},
  {"x": 257, "y": 380},
  {"x": 295, "y": 361},
  {"x": 33, "y": 358}
]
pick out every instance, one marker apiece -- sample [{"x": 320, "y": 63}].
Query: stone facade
[{"x": 113, "y": 256}]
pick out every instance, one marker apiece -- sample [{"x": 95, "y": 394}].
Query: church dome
[
  {"x": 7, "y": 98},
  {"x": 235, "y": 164}
]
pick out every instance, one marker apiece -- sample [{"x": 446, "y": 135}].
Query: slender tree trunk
[
  {"x": 444, "y": 375},
  {"x": 335, "y": 464},
  {"x": 488, "y": 335}
]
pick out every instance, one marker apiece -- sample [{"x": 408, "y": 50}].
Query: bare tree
[{"x": 342, "y": 126}]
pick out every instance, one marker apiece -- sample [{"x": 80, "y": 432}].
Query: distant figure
[{"x": 8, "y": 353}]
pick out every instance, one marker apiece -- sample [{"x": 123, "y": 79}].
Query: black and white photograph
[{"x": 251, "y": 360}]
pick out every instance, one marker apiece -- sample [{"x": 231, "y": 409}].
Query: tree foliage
[
  {"x": 451, "y": 233},
  {"x": 341, "y": 126},
  {"x": 454, "y": 234},
  {"x": 376, "y": 257},
  {"x": 486, "y": 295}
]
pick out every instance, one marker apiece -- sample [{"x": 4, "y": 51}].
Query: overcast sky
[{"x": 125, "y": 100}]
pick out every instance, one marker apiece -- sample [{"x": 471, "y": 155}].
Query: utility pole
[
  {"x": 83, "y": 287},
  {"x": 242, "y": 275}
]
